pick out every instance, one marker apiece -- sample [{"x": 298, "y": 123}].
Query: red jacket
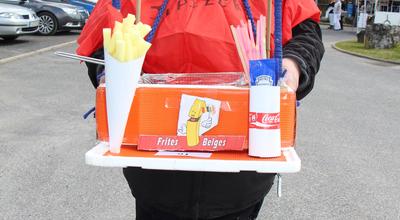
[{"x": 193, "y": 36}]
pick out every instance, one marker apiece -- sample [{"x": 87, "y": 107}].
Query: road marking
[{"x": 17, "y": 57}]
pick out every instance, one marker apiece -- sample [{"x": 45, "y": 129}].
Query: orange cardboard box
[{"x": 155, "y": 112}]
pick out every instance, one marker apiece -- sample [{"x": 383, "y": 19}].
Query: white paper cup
[
  {"x": 121, "y": 83},
  {"x": 264, "y": 121}
]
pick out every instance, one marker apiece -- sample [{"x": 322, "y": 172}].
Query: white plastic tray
[{"x": 289, "y": 162}]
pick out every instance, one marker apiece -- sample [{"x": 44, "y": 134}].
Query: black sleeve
[
  {"x": 307, "y": 49},
  {"x": 94, "y": 69}
]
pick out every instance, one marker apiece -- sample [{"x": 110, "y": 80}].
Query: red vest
[{"x": 194, "y": 35}]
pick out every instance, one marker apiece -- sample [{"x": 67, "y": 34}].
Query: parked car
[
  {"x": 86, "y": 4},
  {"x": 16, "y": 20},
  {"x": 54, "y": 16}
]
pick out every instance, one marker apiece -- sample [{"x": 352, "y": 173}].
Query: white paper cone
[
  {"x": 121, "y": 83},
  {"x": 264, "y": 125}
]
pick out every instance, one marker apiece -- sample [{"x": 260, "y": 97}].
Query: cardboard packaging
[{"x": 153, "y": 118}]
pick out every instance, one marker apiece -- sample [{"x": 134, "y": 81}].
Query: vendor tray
[
  {"x": 232, "y": 161},
  {"x": 167, "y": 97}
]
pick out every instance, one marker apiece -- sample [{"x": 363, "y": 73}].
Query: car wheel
[
  {"x": 47, "y": 24},
  {"x": 10, "y": 38}
]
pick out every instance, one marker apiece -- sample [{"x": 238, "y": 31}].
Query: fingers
[{"x": 291, "y": 78}]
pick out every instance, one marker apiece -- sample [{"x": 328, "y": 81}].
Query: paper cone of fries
[
  {"x": 121, "y": 84},
  {"x": 124, "y": 54}
]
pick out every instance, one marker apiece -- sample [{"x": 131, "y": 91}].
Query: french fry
[
  {"x": 134, "y": 31},
  {"x": 118, "y": 26},
  {"x": 126, "y": 41},
  {"x": 128, "y": 22},
  {"x": 144, "y": 29},
  {"x": 135, "y": 41},
  {"x": 111, "y": 45},
  {"x": 143, "y": 47},
  {"x": 117, "y": 35},
  {"x": 120, "y": 50},
  {"x": 129, "y": 52},
  {"x": 106, "y": 37}
]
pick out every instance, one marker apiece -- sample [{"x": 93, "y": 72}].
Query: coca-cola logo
[
  {"x": 270, "y": 118},
  {"x": 264, "y": 120}
]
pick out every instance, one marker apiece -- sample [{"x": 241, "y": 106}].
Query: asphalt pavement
[
  {"x": 347, "y": 137},
  {"x": 29, "y": 43}
]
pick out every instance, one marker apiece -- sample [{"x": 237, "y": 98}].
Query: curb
[
  {"x": 327, "y": 24},
  {"x": 362, "y": 56},
  {"x": 13, "y": 58}
]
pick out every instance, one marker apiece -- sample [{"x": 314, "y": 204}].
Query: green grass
[{"x": 386, "y": 54}]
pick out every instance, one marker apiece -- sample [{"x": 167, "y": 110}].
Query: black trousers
[
  {"x": 144, "y": 212},
  {"x": 196, "y": 195},
  {"x": 341, "y": 22}
]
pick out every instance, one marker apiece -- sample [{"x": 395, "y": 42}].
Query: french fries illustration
[
  {"x": 197, "y": 115},
  {"x": 198, "y": 108},
  {"x": 193, "y": 124},
  {"x": 126, "y": 42}
]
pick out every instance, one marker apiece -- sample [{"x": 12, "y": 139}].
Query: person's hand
[{"x": 292, "y": 73}]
